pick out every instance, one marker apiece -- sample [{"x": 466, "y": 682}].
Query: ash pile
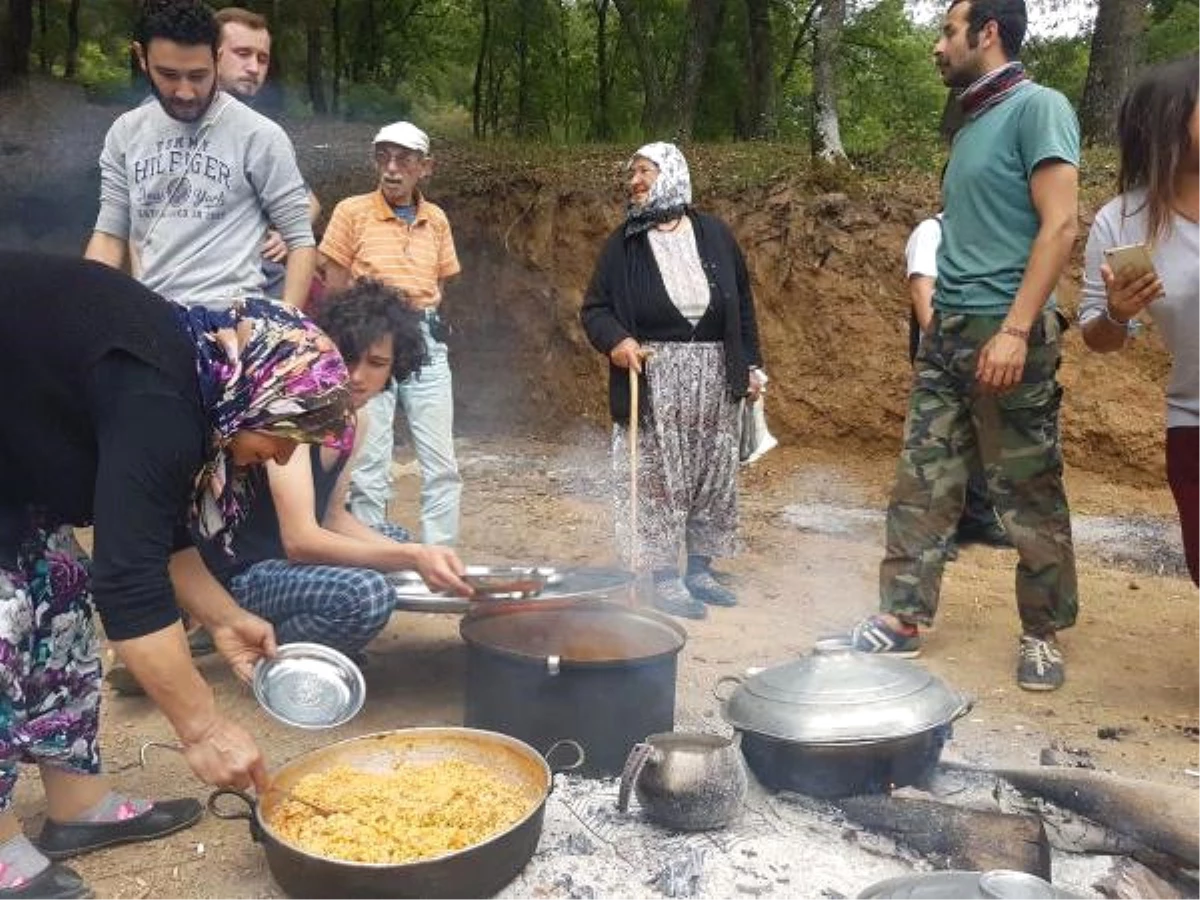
[{"x": 1083, "y": 833}]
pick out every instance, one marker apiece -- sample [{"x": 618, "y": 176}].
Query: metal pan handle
[
  {"x": 215, "y": 808},
  {"x": 725, "y": 680},
  {"x": 248, "y": 813},
  {"x": 580, "y": 755}
]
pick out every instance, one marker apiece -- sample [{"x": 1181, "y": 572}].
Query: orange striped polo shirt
[{"x": 365, "y": 237}]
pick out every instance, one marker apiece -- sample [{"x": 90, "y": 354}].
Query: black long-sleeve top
[
  {"x": 627, "y": 298},
  {"x": 102, "y": 424}
]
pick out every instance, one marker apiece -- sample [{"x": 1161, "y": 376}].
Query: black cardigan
[
  {"x": 627, "y": 298},
  {"x": 102, "y": 424}
]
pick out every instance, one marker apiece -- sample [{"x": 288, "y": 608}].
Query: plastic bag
[{"x": 755, "y": 439}]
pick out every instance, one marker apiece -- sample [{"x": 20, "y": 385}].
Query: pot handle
[
  {"x": 968, "y": 704},
  {"x": 580, "y": 755},
  {"x": 721, "y": 682},
  {"x": 639, "y": 755},
  {"x": 248, "y": 813}
]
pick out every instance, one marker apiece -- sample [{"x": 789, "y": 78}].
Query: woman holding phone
[{"x": 1158, "y": 207}]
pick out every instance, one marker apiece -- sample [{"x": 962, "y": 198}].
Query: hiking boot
[
  {"x": 704, "y": 586},
  {"x": 671, "y": 596},
  {"x": 876, "y": 634},
  {"x": 1040, "y": 664},
  {"x": 987, "y": 531}
]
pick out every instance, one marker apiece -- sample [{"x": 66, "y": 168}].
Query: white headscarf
[{"x": 671, "y": 193}]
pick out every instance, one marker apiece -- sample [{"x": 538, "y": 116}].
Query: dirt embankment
[
  {"x": 825, "y": 254},
  {"x": 828, "y": 273}
]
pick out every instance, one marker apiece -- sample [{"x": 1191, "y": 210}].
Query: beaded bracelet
[{"x": 1022, "y": 333}]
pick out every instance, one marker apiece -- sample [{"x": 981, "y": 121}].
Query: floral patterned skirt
[
  {"x": 49, "y": 661},
  {"x": 687, "y": 460}
]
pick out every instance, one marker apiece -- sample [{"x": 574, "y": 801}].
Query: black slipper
[
  {"x": 62, "y": 840},
  {"x": 53, "y": 881}
]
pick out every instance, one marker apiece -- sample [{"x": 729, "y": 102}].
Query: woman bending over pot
[
  {"x": 670, "y": 302},
  {"x": 142, "y": 418},
  {"x": 1158, "y": 205}
]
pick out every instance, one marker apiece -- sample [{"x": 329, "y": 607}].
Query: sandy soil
[{"x": 1132, "y": 658}]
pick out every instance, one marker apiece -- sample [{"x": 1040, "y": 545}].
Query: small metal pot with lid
[{"x": 837, "y": 722}]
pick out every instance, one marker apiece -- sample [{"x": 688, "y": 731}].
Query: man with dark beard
[
  {"x": 985, "y": 390},
  {"x": 190, "y": 183}
]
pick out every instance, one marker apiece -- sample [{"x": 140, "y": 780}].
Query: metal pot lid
[
  {"x": 836, "y": 695},
  {"x": 993, "y": 885}
]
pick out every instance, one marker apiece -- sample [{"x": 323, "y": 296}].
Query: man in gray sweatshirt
[{"x": 190, "y": 183}]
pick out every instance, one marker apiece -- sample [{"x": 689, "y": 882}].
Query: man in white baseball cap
[{"x": 394, "y": 235}]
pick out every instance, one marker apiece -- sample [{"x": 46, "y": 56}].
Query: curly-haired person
[{"x": 301, "y": 559}]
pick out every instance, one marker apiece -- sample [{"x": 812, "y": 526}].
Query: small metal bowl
[
  {"x": 508, "y": 582},
  {"x": 309, "y": 686}
]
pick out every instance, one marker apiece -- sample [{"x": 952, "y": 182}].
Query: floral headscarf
[
  {"x": 264, "y": 367},
  {"x": 669, "y": 196}
]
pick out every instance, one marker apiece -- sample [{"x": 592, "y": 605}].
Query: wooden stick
[{"x": 633, "y": 472}]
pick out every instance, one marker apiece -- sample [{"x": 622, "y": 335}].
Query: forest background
[{"x": 853, "y": 79}]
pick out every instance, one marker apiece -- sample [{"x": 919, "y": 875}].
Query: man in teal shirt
[{"x": 984, "y": 382}]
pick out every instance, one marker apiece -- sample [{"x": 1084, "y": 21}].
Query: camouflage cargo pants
[{"x": 1015, "y": 437}]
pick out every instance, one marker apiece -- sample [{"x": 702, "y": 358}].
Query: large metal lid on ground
[
  {"x": 836, "y": 695},
  {"x": 582, "y": 633},
  {"x": 993, "y": 885},
  {"x": 562, "y": 583}
]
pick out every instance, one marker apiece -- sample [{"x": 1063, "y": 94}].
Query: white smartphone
[{"x": 1133, "y": 258}]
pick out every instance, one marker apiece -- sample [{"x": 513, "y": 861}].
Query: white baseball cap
[{"x": 404, "y": 134}]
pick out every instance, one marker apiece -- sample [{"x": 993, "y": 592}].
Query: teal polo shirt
[{"x": 990, "y": 221}]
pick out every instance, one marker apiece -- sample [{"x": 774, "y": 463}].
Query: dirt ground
[
  {"x": 1132, "y": 659},
  {"x": 826, "y": 260}
]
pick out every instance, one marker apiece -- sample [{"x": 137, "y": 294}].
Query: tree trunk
[
  {"x": 827, "y": 138},
  {"x": 478, "y": 120},
  {"x": 72, "y": 67},
  {"x": 653, "y": 102},
  {"x": 43, "y": 40},
  {"x": 565, "y": 31},
  {"x": 1116, "y": 41},
  {"x": 704, "y": 23},
  {"x": 335, "y": 15},
  {"x": 761, "y": 66},
  {"x": 316, "y": 87},
  {"x": 602, "y": 118},
  {"x": 521, "y": 126},
  {"x": 20, "y": 38}
]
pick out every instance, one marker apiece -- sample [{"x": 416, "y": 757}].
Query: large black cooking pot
[
  {"x": 595, "y": 672},
  {"x": 481, "y": 870},
  {"x": 837, "y": 722}
]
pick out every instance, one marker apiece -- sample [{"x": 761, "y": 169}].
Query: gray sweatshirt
[
  {"x": 194, "y": 198},
  {"x": 1177, "y": 314}
]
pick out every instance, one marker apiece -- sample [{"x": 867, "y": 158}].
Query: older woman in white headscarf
[{"x": 670, "y": 301}]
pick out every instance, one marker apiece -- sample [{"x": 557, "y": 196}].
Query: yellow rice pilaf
[{"x": 417, "y": 811}]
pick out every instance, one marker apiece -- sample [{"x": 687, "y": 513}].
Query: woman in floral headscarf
[
  {"x": 136, "y": 415},
  {"x": 670, "y": 301}
]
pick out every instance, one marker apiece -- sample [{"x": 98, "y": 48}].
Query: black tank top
[{"x": 258, "y": 537}]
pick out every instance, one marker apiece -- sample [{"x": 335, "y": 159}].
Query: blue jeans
[{"x": 428, "y": 403}]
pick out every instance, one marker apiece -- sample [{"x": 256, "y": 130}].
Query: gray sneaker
[{"x": 1040, "y": 664}]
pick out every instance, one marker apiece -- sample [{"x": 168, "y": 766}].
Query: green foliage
[
  {"x": 892, "y": 95},
  {"x": 373, "y": 103},
  {"x": 1060, "y": 63},
  {"x": 539, "y": 68},
  {"x": 105, "y": 79},
  {"x": 1174, "y": 30}
]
